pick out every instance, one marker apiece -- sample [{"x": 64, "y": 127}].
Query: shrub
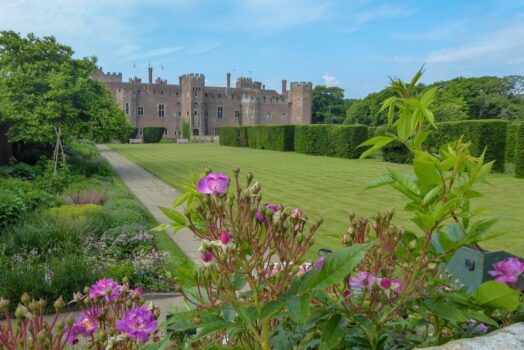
[
  {"x": 483, "y": 134},
  {"x": 511, "y": 141},
  {"x": 153, "y": 134},
  {"x": 125, "y": 212},
  {"x": 230, "y": 136},
  {"x": 21, "y": 171},
  {"x": 273, "y": 137},
  {"x": 12, "y": 207},
  {"x": 186, "y": 130},
  {"x": 85, "y": 159},
  {"x": 330, "y": 140},
  {"x": 519, "y": 152},
  {"x": 89, "y": 197}
]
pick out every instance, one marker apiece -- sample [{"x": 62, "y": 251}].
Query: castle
[{"x": 206, "y": 108}]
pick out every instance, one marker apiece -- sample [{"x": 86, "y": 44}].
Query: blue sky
[{"x": 352, "y": 44}]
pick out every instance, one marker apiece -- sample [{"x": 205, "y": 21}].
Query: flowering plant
[
  {"x": 386, "y": 288},
  {"x": 112, "y": 317}
]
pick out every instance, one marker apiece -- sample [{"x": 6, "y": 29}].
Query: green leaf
[
  {"x": 182, "y": 198},
  {"x": 431, "y": 195},
  {"x": 380, "y": 181},
  {"x": 298, "y": 307},
  {"x": 211, "y": 328},
  {"x": 271, "y": 308},
  {"x": 377, "y": 143},
  {"x": 426, "y": 169},
  {"x": 332, "y": 333},
  {"x": 446, "y": 311},
  {"x": 174, "y": 215},
  {"x": 336, "y": 266},
  {"x": 481, "y": 317},
  {"x": 480, "y": 231},
  {"x": 497, "y": 295},
  {"x": 405, "y": 182}
]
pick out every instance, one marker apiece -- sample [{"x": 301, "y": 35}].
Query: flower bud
[
  {"x": 25, "y": 298},
  {"x": 197, "y": 320},
  {"x": 236, "y": 170},
  {"x": 69, "y": 321},
  {"x": 4, "y": 304},
  {"x": 208, "y": 170},
  {"x": 351, "y": 215},
  {"x": 249, "y": 177},
  {"x": 59, "y": 304},
  {"x": 41, "y": 336},
  {"x": 20, "y": 312},
  {"x": 432, "y": 266},
  {"x": 42, "y": 304},
  {"x": 346, "y": 239},
  {"x": 413, "y": 244}
]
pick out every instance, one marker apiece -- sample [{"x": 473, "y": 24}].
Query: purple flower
[
  {"x": 85, "y": 324},
  {"x": 320, "y": 262},
  {"x": 207, "y": 256},
  {"x": 107, "y": 288},
  {"x": 478, "y": 328},
  {"x": 272, "y": 207},
  {"x": 260, "y": 217},
  {"x": 364, "y": 280},
  {"x": 346, "y": 293},
  {"x": 138, "y": 323},
  {"x": 296, "y": 213},
  {"x": 215, "y": 183},
  {"x": 387, "y": 284},
  {"x": 225, "y": 237},
  {"x": 508, "y": 270}
]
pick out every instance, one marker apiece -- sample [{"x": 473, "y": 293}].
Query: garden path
[{"x": 153, "y": 193}]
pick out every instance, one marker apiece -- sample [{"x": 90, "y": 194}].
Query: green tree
[
  {"x": 328, "y": 105},
  {"x": 42, "y": 87}
]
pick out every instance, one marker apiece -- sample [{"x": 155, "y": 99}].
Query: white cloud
[{"x": 330, "y": 80}]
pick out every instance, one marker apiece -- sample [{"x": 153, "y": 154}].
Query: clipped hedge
[
  {"x": 482, "y": 134},
  {"x": 229, "y": 136},
  {"x": 153, "y": 134},
  {"x": 519, "y": 152},
  {"x": 511, "y": 141},
  {"x": 272, "y": 137},
  {"x": 330, "y": 140}
]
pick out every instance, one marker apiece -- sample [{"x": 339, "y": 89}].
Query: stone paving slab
[{"x": 153, "y": 193}]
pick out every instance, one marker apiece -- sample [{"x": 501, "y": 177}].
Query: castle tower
[
  {"x": 300, "y": 99},
  {"x": 193, "y": 109}
]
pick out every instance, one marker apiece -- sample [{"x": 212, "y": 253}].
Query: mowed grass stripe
[{"x": 324, "y": 186}]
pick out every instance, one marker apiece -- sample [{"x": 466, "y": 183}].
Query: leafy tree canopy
[
  {"x": 456, "y": 99},
  {"x": 42, "y": 86},
  {"x": 329, "y": 105}
]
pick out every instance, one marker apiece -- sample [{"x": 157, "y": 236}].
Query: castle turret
[
  {"x": 284, "y": 87},
  {"x": 150, "y": 71},
  {"x": 228, "y": 83},
  {"x": 300, "y": 98},
  {"x": 193, "y": 111}
]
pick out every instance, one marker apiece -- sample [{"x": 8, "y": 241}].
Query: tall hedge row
[
  {"x": 229, "y": 136},
  {"x": 519, "y": 152},
  {"x": 153, "y": 134},
  {"x": 271, "y": 137},
  {"x": 511, "y": 140},
  {"x": 330, "y": 140},
  {"x": 486, "y": 134}
]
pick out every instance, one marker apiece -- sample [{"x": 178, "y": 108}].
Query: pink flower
[
  {"x": 260, "y": 217},
  {"x": 320, "y": 262},
  {"x": 138, "y": 323},
  {"x": 225, "y": 237},
  {"x": 296, "y": 213},
  {"x": 270, "y": 272},
  {"x": 107, "y": 288},
  {"x": 478, "y": 328},
  {"x": 346, "y": 293},
  {"x": 387, "y": 284},
  {"x": 303, "y": 269},
  {"x": 364, "y": 280},
  {"x": 508, "y": 270},
  {"x": 85, "y": 324},
  {"x": 207, "y": 256},
  {"x": 214, "y": 183},
  {"x": 272, "y": 207}
]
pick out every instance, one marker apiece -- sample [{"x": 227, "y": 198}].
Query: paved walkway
[{"x": 152, "y": 192}]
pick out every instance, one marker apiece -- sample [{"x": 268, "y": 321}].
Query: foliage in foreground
[{"x": 387, "y": 288}]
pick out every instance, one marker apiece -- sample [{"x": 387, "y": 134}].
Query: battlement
[
  {"x": 109, "y": 77},
  {"x": 297, "y": 84},
  {"x": 194, "y": 78},
  {"x": 161, "y": 81},
  {"x": 135, "y": 80},
  {"x": 248, "y": 83}
]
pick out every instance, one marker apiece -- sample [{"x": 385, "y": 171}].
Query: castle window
[
  {"x": 161, "y": 92},
  {"x": 283, "y": 116},
  {"x": 187, "y": 113},
  {"x": 237, "y": 114},
  {"x": 161, "y": 110},
  {"x": 196, "y": 93},
  {"x": 179, "y": 113},
  {"x": 165, "y": 131},
  {"x": 206, "y": 94},
  {"x": 140, "y": 110},
  {"x": 195, "y": 112},
  {"x": 268, "y": 115},
  {"x": 127, "y": 108},
  {"x": 220, "y": 112}
]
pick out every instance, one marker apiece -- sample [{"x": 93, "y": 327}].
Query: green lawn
[{"x": 324, "y": 186}]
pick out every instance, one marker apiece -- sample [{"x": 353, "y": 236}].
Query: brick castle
[{"x": 206, "y": 108}]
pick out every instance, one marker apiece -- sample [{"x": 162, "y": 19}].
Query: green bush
[
  {"x": 153, "y": 134},
  {"x": 482, "y": 134},
  {"x": 125, "y": 212},
  {"x": 230, "y": 136},
  {"x": 519, "y": 152},
  {"x": 84, "y": 159},
  {"x": 21, "y": 171},
  {"x": 511, "y": 141},
  {"x": 12, "y": 208},
  {"x": 330, "y": 140},
  {"x": 186, "y": 130},
  {"x": 272, "y": 137}
]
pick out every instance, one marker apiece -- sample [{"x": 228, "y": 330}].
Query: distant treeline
[{"x": 457, "y": 99}]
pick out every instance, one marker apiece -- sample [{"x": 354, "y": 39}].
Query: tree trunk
[{"x": 6, "y": 149}]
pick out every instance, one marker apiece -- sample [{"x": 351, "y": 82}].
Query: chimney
[
  {"x": 150, "y": 69},
  {"x": 284, "y": 87},
  {"x": 228, "y": 82}
]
